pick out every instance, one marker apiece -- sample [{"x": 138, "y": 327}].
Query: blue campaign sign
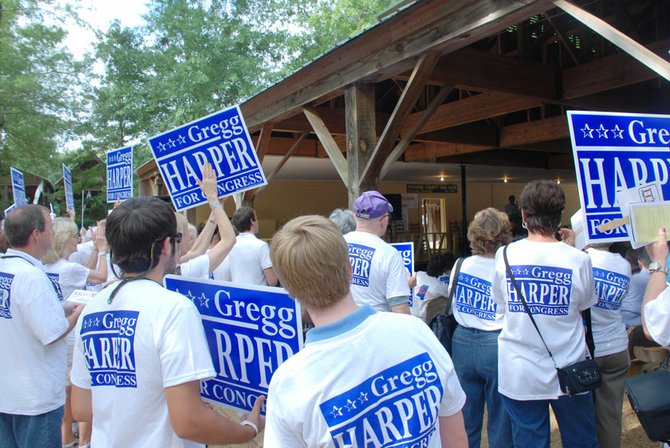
[
  {"x": 120, "y": 174},
  {"x": 18, "y": 187},
  {"x": 615, "y": 152},
  {"x": 250, "y": 330},
  {"x": 221, "y": 139},
  {"x": 407, "y": 253},
  {"x": 67, "y": 182}
]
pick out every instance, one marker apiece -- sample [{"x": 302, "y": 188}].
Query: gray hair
[{"x": 344, "y": 219}]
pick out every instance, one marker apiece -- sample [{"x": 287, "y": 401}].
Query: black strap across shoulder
[{"x": 457, "y": 269}]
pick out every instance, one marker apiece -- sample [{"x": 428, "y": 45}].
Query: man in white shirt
[
  {"x": 249, "y": 260},
  {"x": 140, "y": 350},
  {"x": 33, "y": 326},
  {"x": 379, "y": 278},
  {"x": 364, "y": 378}
]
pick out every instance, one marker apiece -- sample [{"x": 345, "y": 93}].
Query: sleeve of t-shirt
[
  {"x": 80, "y": 375},
  {"x": 657, "y": 318},
  {"x": 182, "y": 347},
  {"x": 264, "y": 255},
  {"x": 278, "y": 434},
  {"x": 76, "y": 275},
  {"x": 396, "y": 282},
  {"x": 498, "y": 282},
  {"x": 197, "y": 267},
  {"x": 39, "y": 306},
  {"x": 589, "y": 297}
]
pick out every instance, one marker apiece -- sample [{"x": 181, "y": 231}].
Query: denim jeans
[
  {"x": 575, "y": 416},
  {"x": 475, "y": 357},
  {"x": 28, "y": 431}
]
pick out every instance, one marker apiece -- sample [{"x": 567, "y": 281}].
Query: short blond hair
[
  {"x": 311, "y": 259},
  {"x": 63, "y": 229},
  {"x": 488, "y": 231}
]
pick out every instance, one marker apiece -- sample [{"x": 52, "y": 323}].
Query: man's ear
[{"x": 165, "y": 246}]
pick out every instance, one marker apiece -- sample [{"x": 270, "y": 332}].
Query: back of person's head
[
  {"x": 135, "y": 231},
  {"x": 642, "y": 257},
  {"x": 511, "y": 199},
  {"x": 311, "y": 260},
  {"x": 242, "y": 218},
  {"x": 435, "y": 266},
  {"x": 20, "y": 224},
  {"x": 449, "y": 261},
  {"x": 542, "y": 202},
  {"x": 344, "y": 219},
  {"x": 64, "y": 229},
  {"x": 488, "y": 231}
]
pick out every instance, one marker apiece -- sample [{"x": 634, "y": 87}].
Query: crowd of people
[{"x": 129, "y": 364}]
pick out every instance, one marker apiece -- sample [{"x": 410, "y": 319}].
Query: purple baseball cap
[{"x": 371, "y": 205}]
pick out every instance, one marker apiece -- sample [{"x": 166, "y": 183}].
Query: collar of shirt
[
  {"x": 341, "y": 326},
  {"x": 29, "y": 258}
]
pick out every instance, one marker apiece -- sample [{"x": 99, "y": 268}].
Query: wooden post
[{"x": 361, "y": 136}]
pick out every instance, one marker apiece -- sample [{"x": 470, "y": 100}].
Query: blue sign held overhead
[
  {"x": 221, "y": 139},
  {"x": 67, "y": 182},
  {"x": 407, "y": 253},
  {"x": 615, "y": 152},
  {"x": 250, "y": 330},
  {"x": 18, "y": 187},
  {"x": 120, "y": 174}
]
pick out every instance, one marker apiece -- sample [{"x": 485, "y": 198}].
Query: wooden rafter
[
  {"x": 288, "y": 154},
  {"x": 329, "y": 144},
  {"x": 261, "y": 148},
  {"x": 553, "y": 128}
]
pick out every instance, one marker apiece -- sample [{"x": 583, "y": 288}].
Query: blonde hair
[
  {"x": 311, "y": 259},
  {"x": 64, "y": 229},
  {"x": 488, "y": 231}
]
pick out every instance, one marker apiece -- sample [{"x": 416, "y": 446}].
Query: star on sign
[
  {"x": 617, "y": 132},
  {"x": 181, "y": 139},
  {"x": 336, "y": 412},
  {"x": 161, "y": 147},
  {"x": 97, "y": 321},
  {"x": 350, "y": 405},
  {"x": 204, "y": 301},
  {"x": 602, "y": 132},
  {"x": 588, "y": 132},
  {"x": 171, "y": 143},
  {"x": 363, "y": 398},
  {"x": 190, "y": 295}
]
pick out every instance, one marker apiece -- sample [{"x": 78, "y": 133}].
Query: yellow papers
[{"x": 646, "y": 219}]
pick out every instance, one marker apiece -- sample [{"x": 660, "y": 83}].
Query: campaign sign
[
  {"x": 120, "y": 174},
  {"x": 67, "y": 182},
  {"x": 221, "y": 139},
  {"x": 407, "y": 253},
  {"x": 251, "y": 330},
  {"x": 614, "y": 152},
  {"x": 18, "y": 187}
]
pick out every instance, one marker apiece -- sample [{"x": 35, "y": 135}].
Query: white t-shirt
[
  {"x": 473, "y": 305},
  {"x": 32, "y": 370},
  {"x": 631, "y": 305},
  {"x": 378, "y": 273},
  {"x": 611, "y": 274},
  {"x": 557, "y": 283},
  {"x": 128, "y": 352},
  {"x": 83, "y": 252},
  {"x": 68, "y": 276},
  {"x": 657, "y": 318},
  {"x": 246, "y": 261},
  {"x": 197, "y": 267},
  {"x": 339, "y": 391},
  {"x": 426, "y": 289}
]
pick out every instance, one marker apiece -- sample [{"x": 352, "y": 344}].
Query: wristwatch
[{"x": 658, "y": 267}]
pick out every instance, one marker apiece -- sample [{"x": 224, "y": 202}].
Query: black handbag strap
[
  {"x": 586, "y": 314},
  {"x": 525, "y": 305},
  {"x": 457, "y": 269}
]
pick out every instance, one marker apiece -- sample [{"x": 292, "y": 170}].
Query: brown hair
[
  {"x": 542, "y": 203},
  {"x": 488, "y": 231},
  {"x": 311, "y": 259}
]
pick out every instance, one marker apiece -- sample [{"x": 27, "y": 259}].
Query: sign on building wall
[
  {"x": 615, "y": 152},
  {"x": 250, "y": 330},
  {"x": 221, "y": 139},
  {"x": 432, "y": 188},
  {"x": 120, "y": 174}
]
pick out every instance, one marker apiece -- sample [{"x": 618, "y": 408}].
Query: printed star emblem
[
  {"x": 204, "y": 301},
  {"x": 350, "y": 405},
  {"x": 190, "y": 295},
  {"x": 363, "y": 398},
  {"x": 171, "y": 143},
  {"x": 602, "y": 132},
  {"x": 181, "y": 139},
  {"x": 588, "y": 132},
  {"x": 161, "y": 147},
  {"x": 336, "y": 412},
  {"x": 526, "y": 272},
  {"x": 617, "y": 132},
  {"x": 97, "y": 321}
]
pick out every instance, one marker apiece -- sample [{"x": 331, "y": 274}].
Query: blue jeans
[
  {"x": 575, "y": 415},
  {"x": 475, "y": 356},
  {"x": 29, "y": 431}
]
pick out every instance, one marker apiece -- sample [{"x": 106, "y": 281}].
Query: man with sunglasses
[
  {"x": 140, "y": 350},
  {"x": 379, "y": 278}
]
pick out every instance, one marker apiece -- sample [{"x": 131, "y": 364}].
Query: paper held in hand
[
  {"x": 81, "y": 296},
  {"x": 646, "y": 219}
]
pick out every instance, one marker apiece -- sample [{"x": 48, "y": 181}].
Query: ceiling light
[
  {"x": 441, "y": 178},
  {"x": 505, "y": 179}
]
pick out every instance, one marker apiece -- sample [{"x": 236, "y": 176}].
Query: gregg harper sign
[{"x": 221, "y": 139}]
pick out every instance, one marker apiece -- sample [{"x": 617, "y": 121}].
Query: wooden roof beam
[
  {"x": 429, "y": 151},
  {"x": 328, "y": 142},
  {"x": 553, "y": 128}
]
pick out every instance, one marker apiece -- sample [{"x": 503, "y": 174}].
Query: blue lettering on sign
[
  {"x": 55, "y": 282},
  {"x": 18, "y": 187},
  {"x": 5, "y": 288},
  {"x": 545, "y": 288},
  {"x": 614, "y": 152},
  {"x": 361, "y": 261},
  {"x": 67, "y": 182},
  {"x": 396, "y": 407},
  {"x": 108, "y": 338},
  {"x": 120, "y": 174},
  {"x": 610, "y": 287},
  {"x": 444, "y": 279},
  {"x": 473, "y": 296},
  {"x": 250, "y": 332},
  {"x": 221, "y": 139},
  {"x": 406, "y": 251}
]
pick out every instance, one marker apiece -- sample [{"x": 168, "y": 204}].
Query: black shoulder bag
[
  {"x": 576, "y": 378},
  {"x": 444, "y": 325}
]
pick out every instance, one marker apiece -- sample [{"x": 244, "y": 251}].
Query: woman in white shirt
[
  {"x": 475, "y": 340},
  {"x": 556, "y": 281}
]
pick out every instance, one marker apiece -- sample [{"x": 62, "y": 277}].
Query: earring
[{"x": 523, "y": 224}]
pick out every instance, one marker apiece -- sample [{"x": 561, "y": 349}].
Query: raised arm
[
  {"x": 226, "y": 231},
  {"x": 99, "y": 274},
  {"x": 658, "y": 252}
]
